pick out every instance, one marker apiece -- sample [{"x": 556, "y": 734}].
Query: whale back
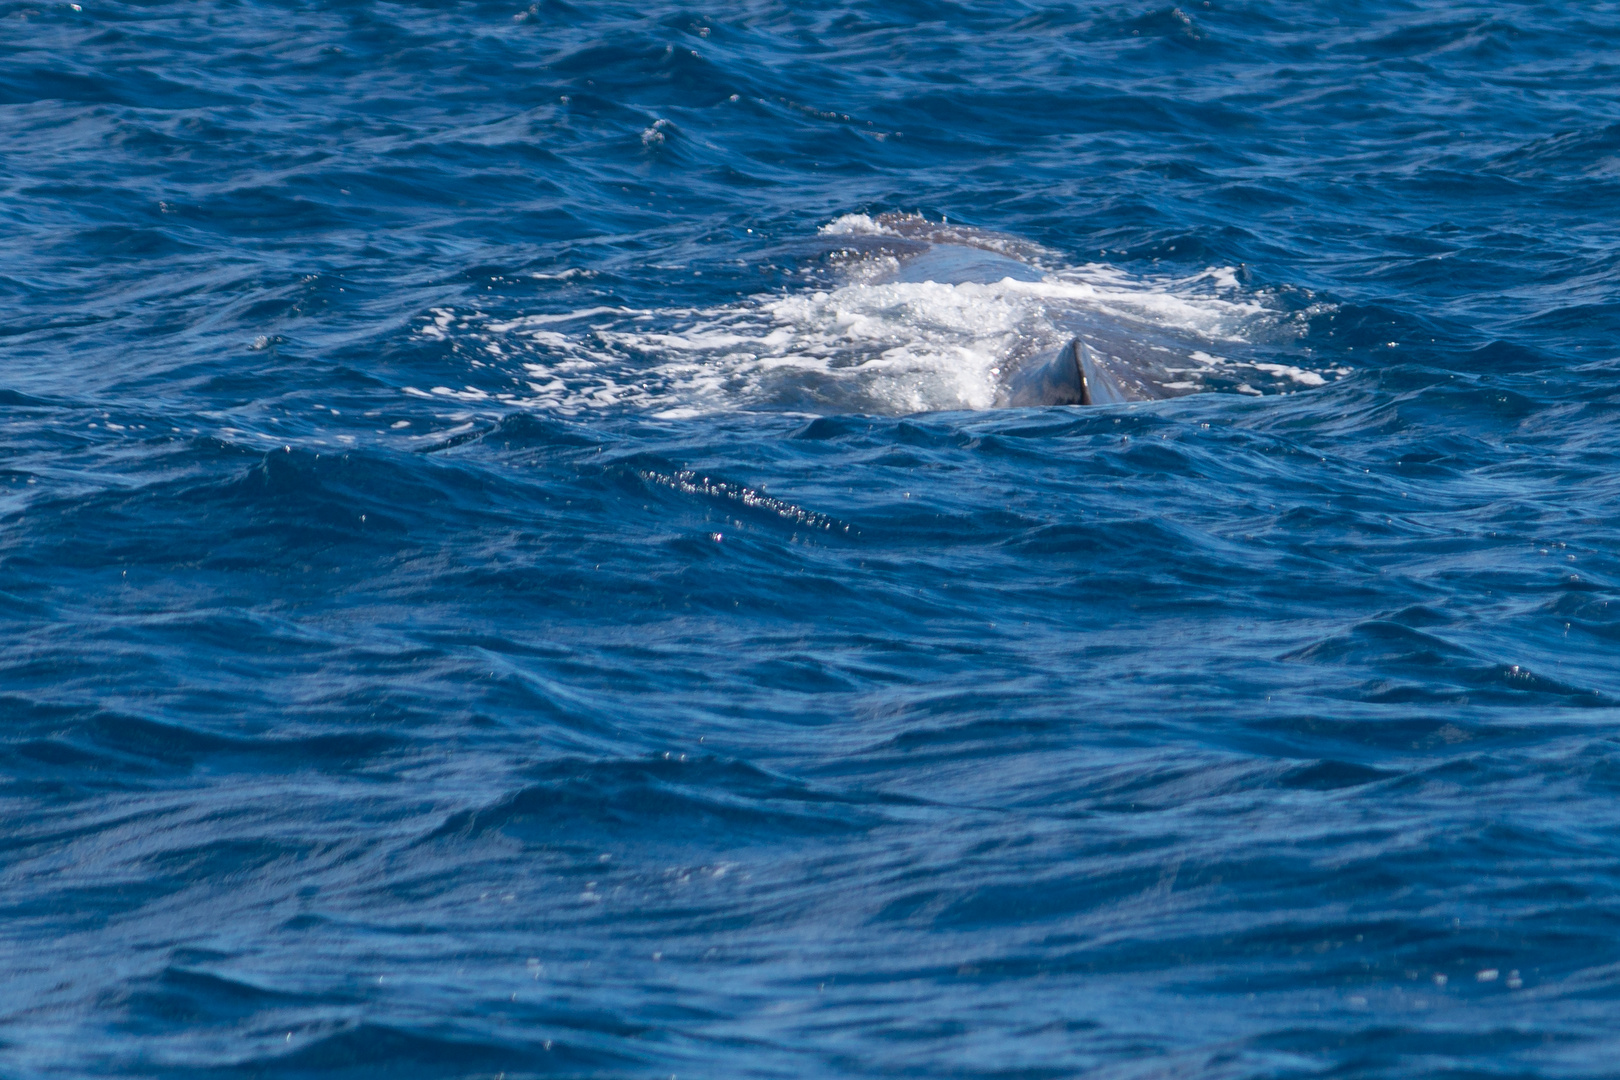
[
  {"x": 1060, "y": 380},
  {"x": 1102, "y": 363},
  {"x": 1079, "y": 375}
]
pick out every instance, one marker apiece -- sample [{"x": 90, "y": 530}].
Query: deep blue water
[{"x": 487, "y": 587}]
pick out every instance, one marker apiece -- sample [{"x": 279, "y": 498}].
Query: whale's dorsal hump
[{"x": 1077, "y": 375}]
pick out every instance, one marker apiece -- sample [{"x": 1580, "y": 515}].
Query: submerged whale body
[
  {"x": 896, "y": 316},
  {"x": 1116, "y": 370}
]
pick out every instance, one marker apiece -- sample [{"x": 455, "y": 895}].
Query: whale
[{"x": 1100, "y": 363}]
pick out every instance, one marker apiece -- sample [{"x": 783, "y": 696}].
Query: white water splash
[{"x": 871, "y": 345}]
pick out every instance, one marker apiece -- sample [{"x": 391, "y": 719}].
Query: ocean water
[{"x": 501, "y": 575}]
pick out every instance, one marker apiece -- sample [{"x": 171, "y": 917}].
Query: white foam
[
  {"x": 565, "y": 275},
  {"x": 1299, "y": 375},
  {"x": 854, "y": 225},
  {"x": 876, "y": 346}
]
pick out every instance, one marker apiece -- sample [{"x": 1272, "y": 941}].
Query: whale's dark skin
[
  {"x": 1078, "y": 373},
  {"x": 1075, "y": 376}
]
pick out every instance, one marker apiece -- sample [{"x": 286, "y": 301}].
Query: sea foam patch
[{"x": 873, "y": 344}]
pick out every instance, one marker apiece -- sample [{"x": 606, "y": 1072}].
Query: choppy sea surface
[{"x": 492, "y": 583}]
